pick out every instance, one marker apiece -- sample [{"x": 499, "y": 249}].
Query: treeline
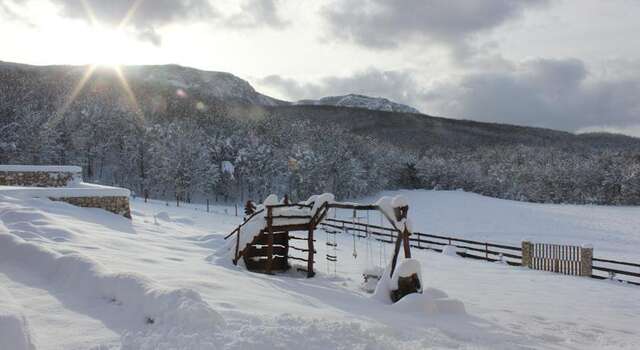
[
  {"x": 204, "y": 156},
  {"x": 211, "y": 156},
  {"x": 534, "y": 174}
]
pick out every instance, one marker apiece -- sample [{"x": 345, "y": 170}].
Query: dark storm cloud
[
  {"x": 388, "y": 24},
  {"x": 548, "y": 93},
  {"x": 399, "y": 86}
]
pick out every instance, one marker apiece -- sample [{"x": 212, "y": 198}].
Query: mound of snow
[
  {"x": 450, "y": 250},
  {"x": 14, "y": 329},
  {"x": 140, "y": 304},
  {"x": 163, "y": 215},
  {"x": 430, "y": 302},
  {"x": 404, "y": 268}
]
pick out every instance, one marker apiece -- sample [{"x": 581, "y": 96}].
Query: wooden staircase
[
  {"x": 256, "y": 253},
  {"x": 269, "y": 250}
]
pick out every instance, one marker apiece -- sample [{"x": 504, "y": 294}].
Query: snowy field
[{"x": 77, "y": 278}]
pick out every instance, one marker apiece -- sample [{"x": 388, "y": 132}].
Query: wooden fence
[
  {"x": 565, "y": 259},
  {"x": 568, "y": 261}
]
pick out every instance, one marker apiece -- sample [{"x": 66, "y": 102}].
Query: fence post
[
  {"x": 527, "y": 253},
  {"x": 207, "y": 205},
  {"x": 586, "y": 260},
  {"x": 236, "y": 209}
]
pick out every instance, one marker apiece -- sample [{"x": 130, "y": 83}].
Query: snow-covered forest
[
  {"x": 201, "y": 141},
  {"x": 229, "y": 159}
]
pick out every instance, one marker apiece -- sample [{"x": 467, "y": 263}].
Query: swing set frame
[{"x": 256, "y": 248}]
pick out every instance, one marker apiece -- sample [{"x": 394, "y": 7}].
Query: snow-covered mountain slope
[
  {"x": 220, "y": 85},
  {"x": 361, "y": 101},
  {"x": 204, "y": 84},
  {"x": 78, "y": 278}
]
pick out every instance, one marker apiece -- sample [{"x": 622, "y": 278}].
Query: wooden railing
[
  {"x": 619, "y": 268},
  {"x": 488, "y": 251}
]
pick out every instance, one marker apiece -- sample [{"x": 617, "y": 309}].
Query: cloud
[
  {"x": 399, "y": 86},
  {"x": 257, "y": 13},
  {"x": 9, "y": 9},
  {"x": 383, "y": 24},
  {"x": 144, "y": 13},
  {"x": 145, "y": 16},
  {"x": 551, "y": 93}
]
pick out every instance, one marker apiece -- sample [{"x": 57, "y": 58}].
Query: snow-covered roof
[
  {"x": 41, "y": 168},
  {"x": 81, "y": 189}
]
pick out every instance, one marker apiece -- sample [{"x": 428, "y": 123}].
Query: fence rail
[{"x": 512, "y": 255}]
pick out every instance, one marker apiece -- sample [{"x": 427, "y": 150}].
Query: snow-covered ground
[
  {"x": 614, "y": 232},
  {"x": 79, "y": 278}
]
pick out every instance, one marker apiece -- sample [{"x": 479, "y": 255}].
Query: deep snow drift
[{"x": 79, "y": 278}]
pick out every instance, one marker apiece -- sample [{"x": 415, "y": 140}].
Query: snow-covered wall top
[
  {"x": 40, "y": 176},
  {"x": 79, "y": 190},
  {"x": 41, "y": 168}
]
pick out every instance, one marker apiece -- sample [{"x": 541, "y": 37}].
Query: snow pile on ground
[
  {"x": 450, "y": 250},
  {"x": 15, "y": 333},
  {"x": 138, "y": 303},
  {"x": 429, "y": 301}
]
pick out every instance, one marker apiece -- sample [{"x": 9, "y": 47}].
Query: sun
[{"x": 107, "y": 47}]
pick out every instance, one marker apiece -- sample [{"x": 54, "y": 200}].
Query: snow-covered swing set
[{"x": 263, "y": 241}]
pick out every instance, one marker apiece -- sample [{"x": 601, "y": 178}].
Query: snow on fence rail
[{"x": 512, "y": 255}]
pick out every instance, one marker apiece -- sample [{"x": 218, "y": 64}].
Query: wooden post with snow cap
[{"x": 586, "y": 260}]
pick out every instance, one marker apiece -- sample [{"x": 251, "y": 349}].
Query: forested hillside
[{"x": 179, "y": 131}]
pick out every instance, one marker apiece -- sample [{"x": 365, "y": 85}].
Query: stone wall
[
  {"x": 36, "y": 178},
  {"x": 116, "y": 205}
]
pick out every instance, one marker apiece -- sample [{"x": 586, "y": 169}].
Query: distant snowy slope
[
  {"x": 144, "y": 80},
  {"x": 613, "y": 231},
  {"x": 361, "y": 101},
  {"x": 220, "y": 85}
]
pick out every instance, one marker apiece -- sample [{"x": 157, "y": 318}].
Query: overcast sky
[{"x": 567, "y": 64}]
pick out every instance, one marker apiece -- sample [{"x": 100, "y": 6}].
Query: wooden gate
[{"x": 565, "y": 259}]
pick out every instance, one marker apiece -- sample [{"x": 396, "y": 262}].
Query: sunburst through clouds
[{"x": 108, "y": 55}]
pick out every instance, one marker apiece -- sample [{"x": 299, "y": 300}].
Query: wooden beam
[
  {"x": 407, "y": 246},
  {"x": 396, "y": 252},
  {"x": 269, "y": 239},
  {"x": 310, "y": 272}
]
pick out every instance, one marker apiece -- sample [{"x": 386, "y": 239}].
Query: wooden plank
[
  {"x": 616, "y": 262},
  {"x": 253, "y": 251},
  {"x": 311, "y": 250},
  {"x": 279, "y": 238},
  {"x": 270, "y": 239}
]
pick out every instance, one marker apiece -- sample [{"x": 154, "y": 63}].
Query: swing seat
[{"x": 371, "y": 277}]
